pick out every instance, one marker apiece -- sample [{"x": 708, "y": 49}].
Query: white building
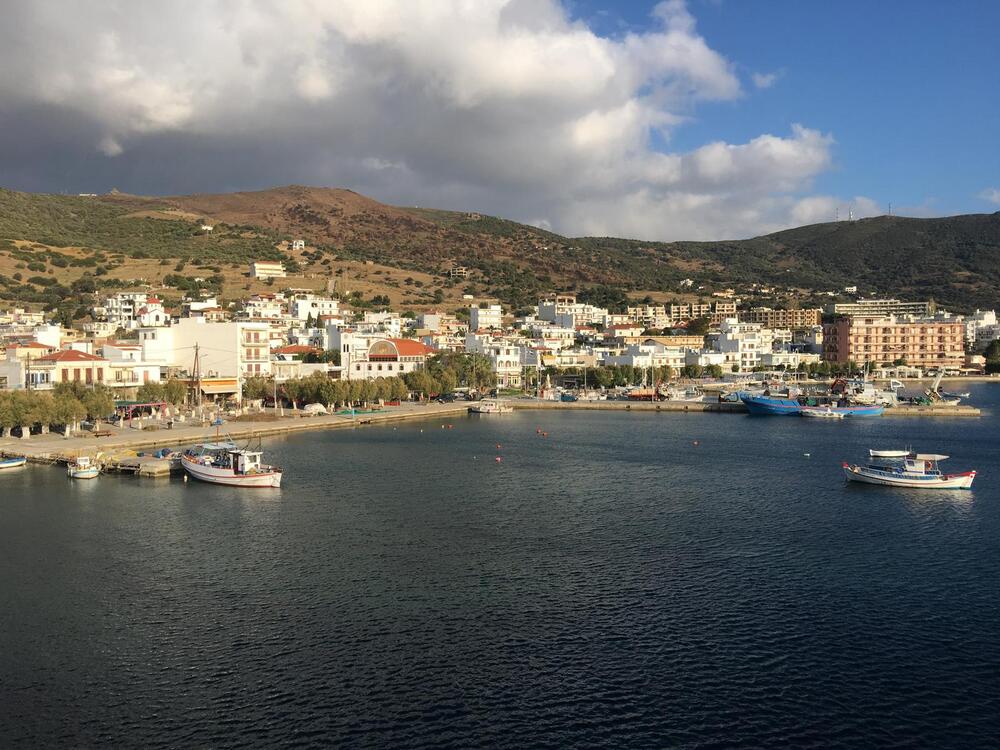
[
  {"x": 981, "y": 328},
  {"x": 387, "y": 358},
  {"x": 742, "y": 343},
  {"x": 265, "y": 269},
  {"x": 264, "y": 307},
  {"x": 485, "y": 318},
  {"x": 121, "y": 310},
  {"x": 238, "y": 348},
  {"x": 303, "y": 306}
]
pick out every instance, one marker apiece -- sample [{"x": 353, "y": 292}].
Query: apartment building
[{"x": 925, "y": 343}]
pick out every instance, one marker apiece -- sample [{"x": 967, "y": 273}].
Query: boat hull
[
  {"x": 88, "y": 473},
  {"x": 909, "y": 481},
  {"x": 12, "y": 463},
  {"x": 789, "y": 407},
  {"x": 218, "y": 475}
]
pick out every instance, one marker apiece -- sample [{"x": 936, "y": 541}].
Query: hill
[{"x": 50, "y": 243}]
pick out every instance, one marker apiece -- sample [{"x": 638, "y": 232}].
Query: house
[
  {"x": 263, "y": 269},
  {"x": 386, "y": 358}
]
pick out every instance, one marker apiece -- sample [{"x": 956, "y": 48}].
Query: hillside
[{"x": 55, "y": 248}]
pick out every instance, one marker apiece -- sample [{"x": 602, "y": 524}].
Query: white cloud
[
  {"x": 505, "y": 106},
  {"x": 991, "y": 195},
  {"x": 765, "y": 80}
]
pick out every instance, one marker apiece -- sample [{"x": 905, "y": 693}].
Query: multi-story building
[
  {"x": 304, "y": 306},
  {"x": 981, "y": 328},
  {"x": 264, "y": 307},
  {"x": 742, "y": 343},
  {"x": 798, "y": 318},
  {"x": 485, "y": 318},
  {"x": 386, "y": 358},
  {"x": 882, "y": 307},
  {"x": 122, "y": 309},
  {"x": 926, "y": 343},
  {"x": 263, "y": 269},
  {"x": 236, "y": 349},
  {"x": 564, "y": 310}
]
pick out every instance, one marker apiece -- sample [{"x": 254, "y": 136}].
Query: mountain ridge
[{"x": 955, "y": 259}]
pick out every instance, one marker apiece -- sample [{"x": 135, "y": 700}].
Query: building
[
  {"x": 265, "y": 269},
  {"x": 304, "y": 306},
  {"x": 122, "y": 310},
  {"x": 881, "y": 307},
  {"x": 458, "y": 272},
  {"x": 236, "y": 349},
  {"x": 387, "y": 358},
  {"x": 926, "y": 343},
  {"x": 743, "y": 344},
  {"x": 298, "y": 245},
  {"x": 487, "y": 317},
  {"x": 798, "y": 318}
]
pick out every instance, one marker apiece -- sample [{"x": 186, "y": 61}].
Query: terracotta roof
[
  {"x": 70, "y": 355},
  {"x": 296, "y": 349},
  {"x": 411, "y": 348},
  {"x": 29, "y": 345}
]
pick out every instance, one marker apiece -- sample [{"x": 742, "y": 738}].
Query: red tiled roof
[
  {"x": 296, "y": 349},
  {"x": 29, "y": 345},
  {"x": 411, "y": 348},
  {"x": 71, "y": 355}
]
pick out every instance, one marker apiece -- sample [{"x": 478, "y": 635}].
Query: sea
[{"x": 538, "y": 579}]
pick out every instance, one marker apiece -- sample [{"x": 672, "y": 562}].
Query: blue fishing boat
[
  {"x": 12, "y": 463},
  {"x": 777, "y": 406}
]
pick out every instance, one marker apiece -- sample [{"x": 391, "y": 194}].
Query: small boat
[
  {"x": 490, "y": 406},
  {"x": 83, "y": 468},
  {"x": 13, "y": 463},
  {"x": 914, "y": 471},
  {"x": 224, "y": 463},
  {"x": 821, "y": 412}
]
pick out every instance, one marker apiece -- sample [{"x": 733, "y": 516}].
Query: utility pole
[
  {"x": 27, "y": 372},
  {"x": 196, "y": 377}
]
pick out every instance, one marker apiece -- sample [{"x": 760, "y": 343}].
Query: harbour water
[{"x": 629, "y": 580}]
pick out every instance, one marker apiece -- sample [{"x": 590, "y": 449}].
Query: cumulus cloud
[
  {"x": 991, "y": 195},
  {"x": 507, "y": 106}
]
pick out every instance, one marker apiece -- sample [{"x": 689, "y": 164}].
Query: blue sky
[{"x": 909, "y": 90}]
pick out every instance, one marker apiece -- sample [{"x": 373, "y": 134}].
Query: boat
[
  {"x": 690, "y": 394},
  {"x": 12, "y": 463},
  {"x": 490, "y": 406},
  {"x": 83, "y": 468},
  {"x": 888, "y": 453},
  {"x": 224, "y": 463},
  {"x": 914, "y": 471},
  {"x": 764, "y": 405},
  {"x": 821, "y": 412}
]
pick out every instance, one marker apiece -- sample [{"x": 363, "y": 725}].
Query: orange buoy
[{"x": 498, "y": 446}]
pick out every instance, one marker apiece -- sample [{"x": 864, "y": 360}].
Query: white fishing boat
[
  {"x": 224, "y": 463},
  {"x": 490, "y": 406},
  {"x": 83, "y": 468},
  {"x": 888, "y": 453},
  {"x": 821, "y": 412},
  {"x": 913, "y": 471},
  {"x": 13, "y": 463}
]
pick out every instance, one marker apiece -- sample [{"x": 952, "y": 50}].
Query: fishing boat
[
  {"x": 224, "y": 463},
  {"x": 765, "y": 405},
  {"x": 12, "y": 463},
  {"x": 914, "y": 471},
  {"x": 83, "y": 468},
  {"x": 490, "y": 406},
  {"x": 820, "y": 412}
]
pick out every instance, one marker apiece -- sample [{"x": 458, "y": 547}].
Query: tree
[
  {"x": 150, "y": 393},
  {"x": 256, "y": 387},
  {"x": 698, "y": 326},
  {"x": 68, "y": 411},
  {"x": 98, "y": 402},
  {"x": 714, "y": 371},
  {"x": 8, "y": 417},
  {"x": 23, "y": 416},
  {"x": 992, "y": 355},
  {"x": 175, "y": 392},
  {"x": 293, "y": 390},
  {"x": 42, "y": 410}
]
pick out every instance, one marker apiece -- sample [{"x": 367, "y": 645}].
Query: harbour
[{"x": 665, "y": 577}]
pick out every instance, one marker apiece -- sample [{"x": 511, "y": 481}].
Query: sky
[{"x": 705, "y": 119}]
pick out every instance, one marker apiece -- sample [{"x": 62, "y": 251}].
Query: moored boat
[
  {"x": 491, "y": 406},
  {"x": 820, "y": 412},
  {"x": 15, "y": 462},
  {"x": 888, "y": 453},
  {"x": 762, "y": 405},
  {"x": 224, "y": 463},
  {"x": 83, "y": 468},
  {"x": 914, "y": 471}
]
